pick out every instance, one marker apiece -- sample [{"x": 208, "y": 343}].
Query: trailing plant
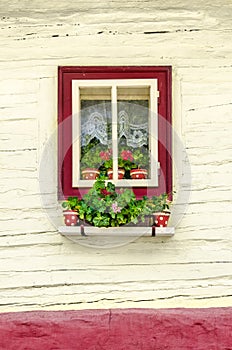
[
  {"x": 90, "y": 155},
  {"x": 141, "y": 158}
]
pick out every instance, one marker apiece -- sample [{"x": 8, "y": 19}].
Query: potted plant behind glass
[
  {"x": 91, "y": 160},
  {"x": 107, "y": 166},
  {"x": 125, "y": 162},
  {"x": 71, "y": 210},
  {"x": 141, "y": 160},
  {"x": 131, "y": 164}
]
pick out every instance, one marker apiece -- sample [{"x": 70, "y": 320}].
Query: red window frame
[{"x": 65, "y": 76}]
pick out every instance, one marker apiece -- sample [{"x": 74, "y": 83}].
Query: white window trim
[{"x": 153, "y": 127}]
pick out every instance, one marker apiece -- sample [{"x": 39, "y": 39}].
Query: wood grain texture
[{"x": 40, "y": 269}]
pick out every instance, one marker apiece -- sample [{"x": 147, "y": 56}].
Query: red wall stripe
[{"x": 118, "y": 329}]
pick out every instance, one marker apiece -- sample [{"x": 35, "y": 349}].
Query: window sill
[{"x": 117, "y": 231}]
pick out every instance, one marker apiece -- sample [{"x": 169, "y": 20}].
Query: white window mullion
[
  {"x": 154, "y": 132},
  {"x": 76, "y": 132},
  {"x": 114, "y": 131}
]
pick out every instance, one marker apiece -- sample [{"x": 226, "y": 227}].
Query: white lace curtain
[{"x": 132, "y": 124}]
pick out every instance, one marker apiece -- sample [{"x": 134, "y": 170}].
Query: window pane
[
  {"x": 96, "y": 131},
  {"x": 133, "y": 135}
]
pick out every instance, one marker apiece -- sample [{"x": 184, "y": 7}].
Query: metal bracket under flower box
[{"x": 116, "y": 231}]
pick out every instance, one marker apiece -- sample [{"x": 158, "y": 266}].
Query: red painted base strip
[{"x": 124, "y": 329}]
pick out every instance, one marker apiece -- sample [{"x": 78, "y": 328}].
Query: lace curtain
[{"x": 96, "y": 122}]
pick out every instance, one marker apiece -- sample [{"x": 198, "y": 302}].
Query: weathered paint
[
  {"x": 40, "y": 269},
  {"x": 133, "y": 329}
]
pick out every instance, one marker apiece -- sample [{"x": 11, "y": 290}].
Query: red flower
[
  {"x": 105, "y": 192},
  {"x": 127, "y": 155},
  {"x": 105, "y": 155}
]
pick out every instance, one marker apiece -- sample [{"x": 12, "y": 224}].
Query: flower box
[
  {"x": 90, "y": 231},
  {"x": 106, "y": 207}
]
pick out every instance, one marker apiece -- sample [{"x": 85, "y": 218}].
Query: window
[
  {"x": 116, "y": 120},
  {"x": 115, "y": 131}
]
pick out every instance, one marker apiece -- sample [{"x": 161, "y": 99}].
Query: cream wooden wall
[{"x": 39, "y": 269}]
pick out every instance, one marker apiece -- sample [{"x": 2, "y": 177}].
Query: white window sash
[{"x": 153, "y": 130}]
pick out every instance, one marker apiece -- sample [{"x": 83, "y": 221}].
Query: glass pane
[
  {"x": 96, "y": 131},
  {"x": 133, "y": 135}
]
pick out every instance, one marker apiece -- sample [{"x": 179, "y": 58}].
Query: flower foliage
[
  {"x": 103, "y": 206},
  {"x": 73, "y": 203},
  {"x": 159, "y": 203},
  {"x": 99, "y": 156},
  {"x": 90, "y": 156},
  {"x": 127, "y": 159}
]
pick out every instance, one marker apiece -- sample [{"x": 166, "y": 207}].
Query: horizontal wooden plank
[
  {"x": 123, "y": 295},
  {"x": 158, "y": 251},
  {"x": 20, "y": 87},
  {"x": 20, "y": 160},
  {"x": 134, "y": 277},
  {"x": 18, "y": 135},
  {"x": 149, "y": 272},
  {"x": 25, "y": 226},
  {"x": 8, "y": 100},
  {"x": 19, "y": 112}
]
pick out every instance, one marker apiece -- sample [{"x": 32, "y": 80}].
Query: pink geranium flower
[
  {"x": 127, "y": 155},
  {"x": 106, "y": 155},
  {"x": 115, "y": 208}
]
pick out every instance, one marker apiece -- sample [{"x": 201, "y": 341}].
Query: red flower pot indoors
[
  {"x": 138, "y": 174},
  {"x": 70, "y": 217},
  {"x": 161, "y": 219},
  {"x": 121, "y": 173},
  {"x": 90, "y": 173}
]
